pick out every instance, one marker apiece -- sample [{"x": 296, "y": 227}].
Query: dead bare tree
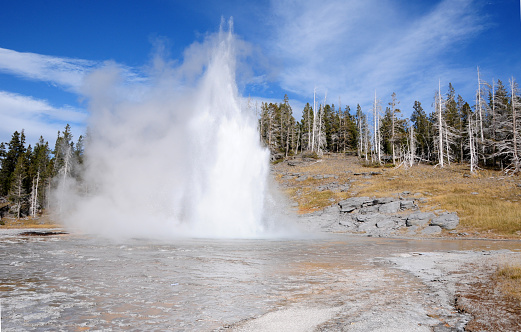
[{"x": 376, "y": 128}]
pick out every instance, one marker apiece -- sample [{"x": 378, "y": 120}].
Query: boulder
[
  {"x": 400, "y": 221},
  {"x": 419, "y": 218},
  {"x": 349, "y": 223},
  {"x": 369, "y": 209},
  {"x": 371, "y": 218},
  {"x": 446, "y": 221},
  {"x": 347, "y": 220},
  {"x": 384, "y": 200},
  {"x": 407, "y": 205},
  {"x": 392, "y": 207},
  {"x": 412, "y": 230},
  {"x": 386, "y": 223},
  {"x": 344, "y": 187},
  {"x": 431, "y": 230},
  {"x": 367, "y": 227},
  {"x": 354, "y": 203}
]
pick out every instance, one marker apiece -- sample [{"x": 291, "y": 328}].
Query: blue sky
[{"x": 346, "y": 48}]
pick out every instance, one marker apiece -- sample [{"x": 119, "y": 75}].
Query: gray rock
[
  {"x": 431, "y": 230},
  {"x": 386, "y": 224},
  {"x": 399, "y": 221},
  {"x": 325, "y": 187},
  {"x": 392, "y": 207},
  {"x": 345, "y": 187},
  {"x": 369, "y": 209},
  {"x": 407, "y": 205},
  {"x": 384, "y": 200},
  {"x": 367, "y": 227},
  {"x": 354, "y": 203},
  {"x": 419, "y": 218},
  {"x": 302, "y": 178},
  {"x": 346, "y": 221},
  {"x": 412, "y": 230},
  {"x": 372, "y": 218},
  {"x": 446, "y": 221}
]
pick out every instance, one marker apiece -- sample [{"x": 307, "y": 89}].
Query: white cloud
[
  {"x": 352, "y": 48},
  {"x": 65, "y": 72},
  {"x": 36, "y": 117}
]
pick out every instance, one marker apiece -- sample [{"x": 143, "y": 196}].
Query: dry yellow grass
[
  {"x": 487, "y": 202},
  {"x": 509, "y": 280},
  {"x": 42, "y": 222}
]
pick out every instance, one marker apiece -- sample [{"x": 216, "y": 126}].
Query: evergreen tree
[
  {"x": 16, "y": 148},
  {"x": 508, "y": 143},
  {"x": 40, "y": 175},
  {"x": 422, "y": 132},
  {"x": 17, "y": 192},
  {"x": 307, "y": 126}
]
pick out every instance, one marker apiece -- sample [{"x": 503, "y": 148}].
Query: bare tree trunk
[
  {"x": 480, "y": 113},
  {"x": 514, "y": 125},
  {"x": 440, "y": 127},
  {"x": 471, "y": 147},
  {"x": 376, "y": 124},
  {"x": 412, "y": 146},
  {"x": 34, "y": 195},
  {"x": 314, "y": 118}
]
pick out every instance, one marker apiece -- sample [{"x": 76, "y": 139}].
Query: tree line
[
  {"x": 484, "y": 135},
  {"x": 27, "y": 174}
]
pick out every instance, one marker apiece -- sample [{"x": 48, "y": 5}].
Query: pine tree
[
  {"x": 17, "y": 192},
  {"x": 16, "y": 148},
  {"x": 422, "y": 132},
  {"x": 39, "y": 173},
  {"x": 306, "y": 125},
  {"x": 499, "y": 113}
]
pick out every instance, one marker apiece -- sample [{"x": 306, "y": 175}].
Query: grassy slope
[
  {"x": 41, "y": 222},
  {"x": 488, "y": 203}
]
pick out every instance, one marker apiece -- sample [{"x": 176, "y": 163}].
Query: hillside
[{"x": 488, "y": 202}]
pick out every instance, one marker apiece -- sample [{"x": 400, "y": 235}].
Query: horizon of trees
[
  {"x": 27, "y": 174},
  {"x": 484, "y": 135}
]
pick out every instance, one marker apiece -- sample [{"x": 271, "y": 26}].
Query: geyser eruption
[{"x": 175, "y": 156}]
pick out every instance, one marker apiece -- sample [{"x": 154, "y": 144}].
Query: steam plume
[{"x": 174, "y": 157}]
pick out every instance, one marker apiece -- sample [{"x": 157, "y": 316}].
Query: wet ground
[{"x": 78, "y": 283}]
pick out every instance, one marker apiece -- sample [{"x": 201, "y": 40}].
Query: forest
[
  {"x": 27, "y": 174},
  {"x": 484, "y": 135}
]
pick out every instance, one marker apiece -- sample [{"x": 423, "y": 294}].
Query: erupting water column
[
  {"x": 177, "y": 157},
  {"x": 231, "y": 193}
]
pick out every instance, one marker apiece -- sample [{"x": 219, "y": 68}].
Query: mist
[{"x": 171, "y": 155}]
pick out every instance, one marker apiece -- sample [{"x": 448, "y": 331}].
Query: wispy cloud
[
  {"x": 351, "y": 48},
  {"x": 36, "y": 116},
  {"x": 68, "y": 73},
  {"x": 41, "y": 117}
]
